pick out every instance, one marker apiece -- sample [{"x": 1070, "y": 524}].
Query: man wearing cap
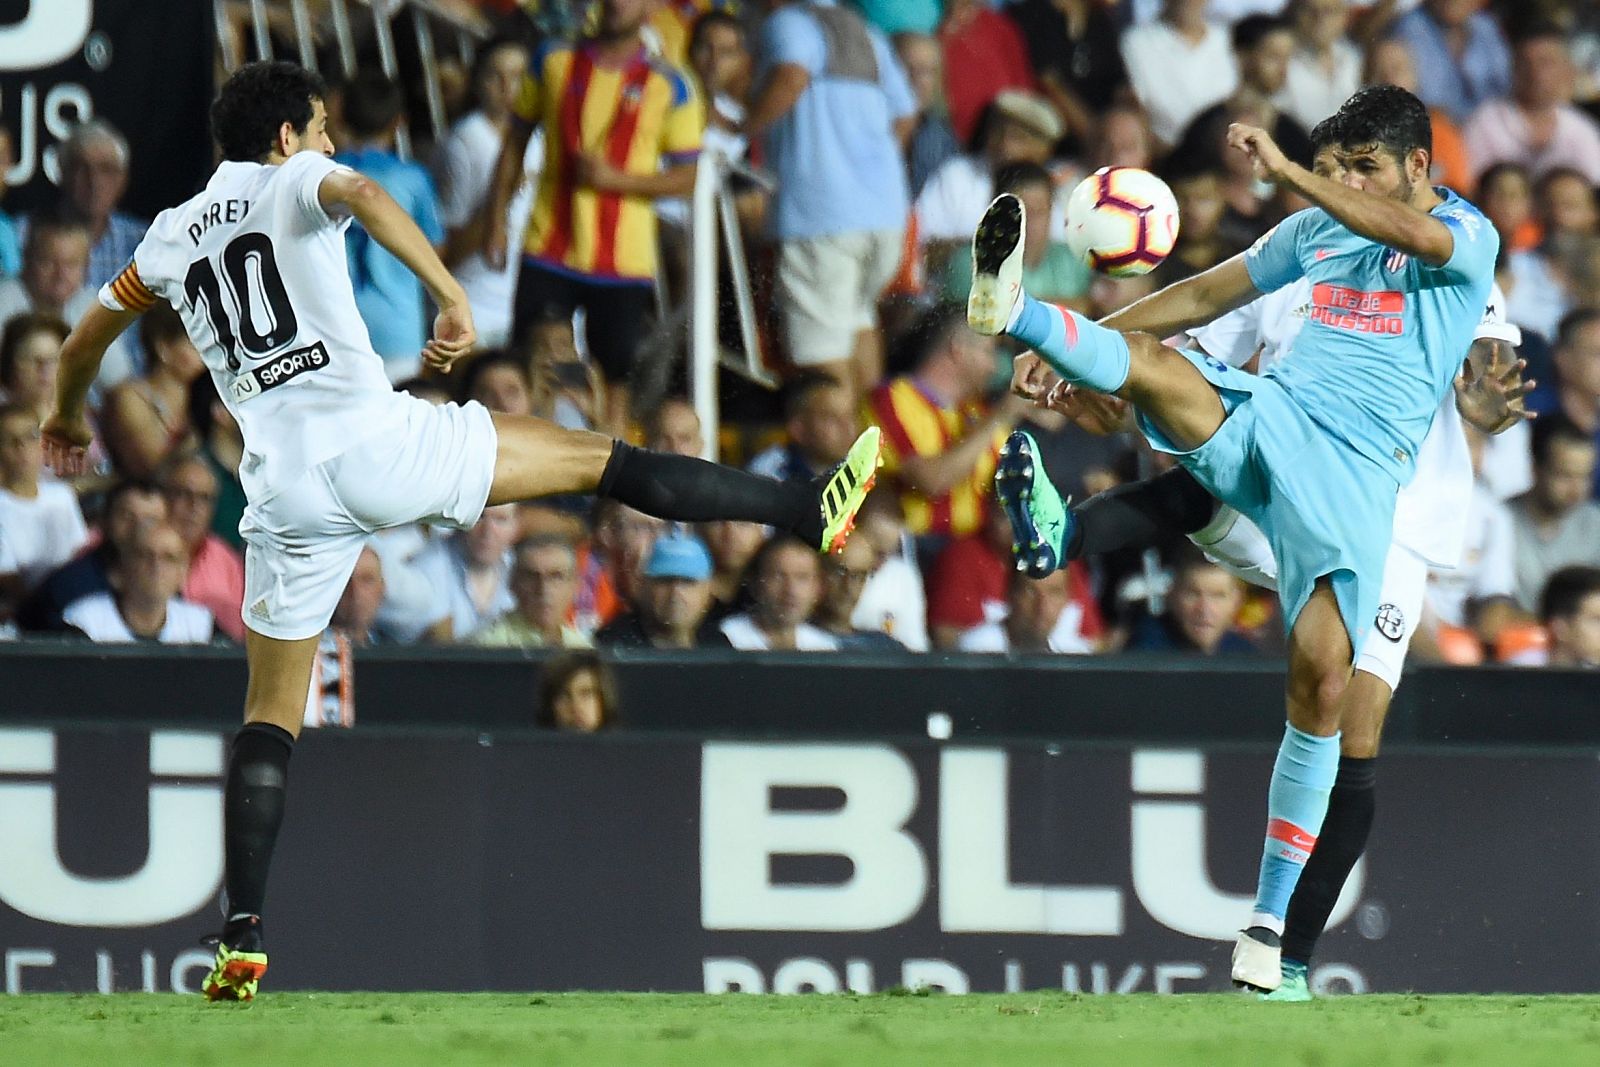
[{"x": 673, "y": 602}]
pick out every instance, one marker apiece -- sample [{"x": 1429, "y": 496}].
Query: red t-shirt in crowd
[
  {"x": 982, "y": 56},
  {"x": 970, "y": 575},
  {"x": 216, "y": 583}
]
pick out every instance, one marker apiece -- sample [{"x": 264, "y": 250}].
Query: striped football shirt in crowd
[{"x": 915, "y": 423}]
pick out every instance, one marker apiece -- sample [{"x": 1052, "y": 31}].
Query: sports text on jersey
[
  {"x": 1353, "y": 309},
  {"x": 214, "y": 214},
  {"x": 278, "y": 370}
]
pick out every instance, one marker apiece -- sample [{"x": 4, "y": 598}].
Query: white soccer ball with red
[{"x": 1122, "y": 221}]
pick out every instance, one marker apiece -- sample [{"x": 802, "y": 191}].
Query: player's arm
[
  {"x": 66, "y": 432},
  {"x": 1378, "y": 218},
  {"x": 1188, "y": 304}
]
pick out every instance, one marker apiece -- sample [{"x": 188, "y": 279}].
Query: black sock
[
  {"x": 1140, "y": 514},
  {"x": 684, "y": 489},
  {"x": 1341, "y": 842},
  {"x": 258, "y": 774}
]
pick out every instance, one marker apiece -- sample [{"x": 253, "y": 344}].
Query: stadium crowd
[{"x": 882, "y": 128}]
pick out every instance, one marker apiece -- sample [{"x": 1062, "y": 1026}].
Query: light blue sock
[
  {"x": 1079, "y": 350},
  {"x": 1297, "y": 800}
]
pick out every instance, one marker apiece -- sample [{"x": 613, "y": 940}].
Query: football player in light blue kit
[{"x": 1314, "y": 450}]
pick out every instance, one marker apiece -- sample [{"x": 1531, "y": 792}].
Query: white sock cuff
[{"x": 1267, "y": 920}]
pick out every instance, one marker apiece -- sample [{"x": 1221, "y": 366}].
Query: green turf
[{"x": 595, "y": 1030}]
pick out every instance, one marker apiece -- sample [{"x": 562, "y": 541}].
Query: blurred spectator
[
  {"x": 356, "y": 614},
  {"x": 983, "y": 57},
  {"x": 1050, "y": 271},
  {"x": 785, "y": 592},
  {"x": 621, "y": 128},
  {"x": 10, "y": 239},
  {"x": 1535, "y": 296},
  {"x": 544, "y": 584},
  {"x": 1389, "y": 62},
  {"x": 146, "y": 418},
  {"x": 733, "y": 545},
  {"x": 1325, "y": 69},
  {"x": 1537, "y": 125},
  {"x": 1262, "y": 46},
  {"x": 1460, "y": 54},
  {"x": 1178, "y": 66},
  {"x": 465, "y": 170},
  {"x": 1575, "y": 392},
  {"x": 1250, "y": 208},
  {"x": 330, "y": 700},
  {"x": 719, "y": 57},
  {"x": 129, "y": 506},
  {"x": 820, "y": 423},
  {"x": 499, "y": 383},
  {"x": 577, "y": 693},
  {"x": 40, "y": 524},
  {"x": 1201, "y": 608},
  {"x": 55, "y": 257},
  {"x": 1570, "y": 610},
  {"x": 1201, "y": 243},
  {"x": 941, "y": 439},
  {"x": 221, "y": 445},
  {"x": 143, "y": 603},
  {"x": 672, "y": 609},
  {"x": 1478, "y": 593},
  {"x": 893, "y": 601},
  {"x": 566, "y": 390},
  {"x": 94, "y": 177},
  {"x": 1073, "y": 46},
  {"x": 470, "y": 571},
  {"x": 1557, "y": 521},
  {"x": 215, "y": 578},
  {"x": 674, "y": 426},
  {"x": 622, "y": 539},
  {"x": 1125, "y": 139},
  {"x": 30, "y": 357},
  {"x": 835, "y": 108},
  {"x": 1505, "y": 192},
  {"x": 932, "y": 140},
  {"x": 844, "y": 575},
  {"x": 409, "y": 582},
  {"x": 901, "y": 16},
  {"x": 388, "y": 295},
  {"x": 1570, "y": 217},
  {"x": 1037, "y": 619}
]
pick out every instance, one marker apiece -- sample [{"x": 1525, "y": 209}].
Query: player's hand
[
  {"x": 1269, "y": 161},
  {"x": 453, "y": 337},
  {"x": 1097, "y": 413},
  {"x": 66, "y": 444},
  {"x": 1495, "y": 400},
  {"x": 597, "y": 173},
  {"x": 1031, "y": 377}
]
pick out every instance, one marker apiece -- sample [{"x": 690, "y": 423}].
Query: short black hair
[
  {"x": 1013, "y": 176},
  {"x": 806, "y": 385},
  {"x": 1554, "y": 427},
  {"x": 372, "y": 103},
  {"x": 256, "y": 101},
  {"x": 1572, "y": 322},
  {"x": 1252, "y": 29},
  {"x": 1383, "y": 115},
  {"x": 932, "y": 330},
  {"x": 710, "y": 21},
  {"x": 485, "y": 363},
  {"x": 1566, "y": 590},
  {"x": 160, "y": 323}
]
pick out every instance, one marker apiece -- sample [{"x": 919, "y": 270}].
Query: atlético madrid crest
[{"x": 1394, "y": 262}]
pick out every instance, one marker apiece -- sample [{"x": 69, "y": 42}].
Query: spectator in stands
[
  {"x": 1178, "y": 66},
  {"x": 820, "y": 424},
  {"x": 331, "y": 700},
  {"x": 983, "y": 57},
  {"x": 844, "y": 576},
  {"x": 785, "y": 593},
  {"x": 146, "y": 417},
  {"x": 470, "y": 572},
  {"x": 129, "y": 506},
  {"x": 10, "y": 238},
  {"x": 1201, "y": 244},
  {"x": 893, "y": 601},
  {"x": 1575, "y": 393},
  {"x": 932, "y": 141},
  {"x": 566, "y": 390},
  {"x": 40, "y": 524},
  {"x": 544, "y": 585},
  {"x": 1537, "y": 125},
  {"x": 1389, "y": 63},
  {"x": 1049, "y": 269},
  {"x": 733, "y": 545},
  {"x": 577, "y": 693},
  {"x": 1201, "y": 608},
  {"x": 1037, "y": 619},
  {"x": 1570, "y": 609},
  {"x": 1262, "y": 46},
  {"x": 221, "y": 445},
  {"x": 1477, "y": 595},
  {"x": 674, "y": 602},
  {"x": 621, "y": 130},
  {"x": 941, "y": 439},
  {"x": 499, "y": 383},
  {"x": 1250, "y": 209},
  {"x": 1125, "y": 139},
  {"x": 1073, "y": 47},
  {"x": 215, "y": 578},
  {"x": 465, "y": 170},
  {"x": 1567, "y": 204},
  {"x": 356, "y": 614},
  {"x": 1557, "y": 522},
  {"x": 719, "y": 54},
  {"x": 674, "y": 426},
  {"x": 143, "y": 603},
  {"x": 1536, "y": 299},
  {"x": 834, "y": 108},
  {"x": 30, "y": 357},
  {"x": 94, "y": 176},
  {"x": 388, "y": 295},
  {"x": 1325, "y": 69},
  {"x": 1460, "y": 54},
  {"x": 55, "y": 258}
]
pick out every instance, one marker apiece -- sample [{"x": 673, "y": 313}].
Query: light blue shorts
[{"x": 1325, "y": 508}]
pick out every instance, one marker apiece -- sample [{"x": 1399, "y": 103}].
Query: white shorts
[
  {"x": 830, "y": 288},
  {"x": 431, "y": 464},
  {"x": 1238, "y": 546}
]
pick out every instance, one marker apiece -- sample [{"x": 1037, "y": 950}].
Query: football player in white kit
[{"x": 255, "y": 264}]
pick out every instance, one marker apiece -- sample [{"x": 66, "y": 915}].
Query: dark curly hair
[
  {"x": 256, "y": 101},
  {"x": 1383, "y": 115}
]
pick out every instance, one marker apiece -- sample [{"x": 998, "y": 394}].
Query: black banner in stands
[
  {"x": 555, "y": 862},
  {"x": 144, "y": 67}
]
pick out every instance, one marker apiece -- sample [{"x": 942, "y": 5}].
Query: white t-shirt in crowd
[
  {"x": 957, "y": 193},
  {"x": 893, "y": 602},
  {"x": 97, "y": 616},
  {"x": 1174, "y": 79},
  {"x": 1312, "y": 92},
  {"x": 446, "y": 572},
  {"x": 1488, "y": 561},
  {"x": 743, "y": 634},
  {"x": 39, "y": 535}
]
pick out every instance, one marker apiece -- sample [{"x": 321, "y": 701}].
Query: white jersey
[
  {"x": 256, "y": 267},
  {"x": 1430, "y": 512}
]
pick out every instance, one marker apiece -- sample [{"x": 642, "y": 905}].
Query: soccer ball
[{"x": 1122, "y": 221}]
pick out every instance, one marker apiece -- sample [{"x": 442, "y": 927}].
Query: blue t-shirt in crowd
[
  {"x": 388, "y": 295},
  {"x": 838, "y": 163},
  {"x": 1386, "y": 333},
  {"x": 10, "y": 246}
]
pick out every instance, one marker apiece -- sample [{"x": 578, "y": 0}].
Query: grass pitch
[{"x": 884, "y": 1030}]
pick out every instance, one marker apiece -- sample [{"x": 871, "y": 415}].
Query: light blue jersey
[{"x": 1386, "y": 333}]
